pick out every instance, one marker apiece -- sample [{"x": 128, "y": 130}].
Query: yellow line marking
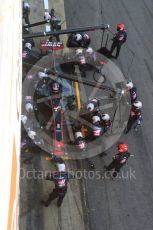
[
  {"x": 83, "y": 129},
  {"x": 63, "y": 157},
  {"x": 78, "y": 95}
]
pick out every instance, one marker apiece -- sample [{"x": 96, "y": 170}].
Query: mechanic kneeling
[
  {"x": 56, "y": 87},
  {"x": 78, "y": 136},
  {"x": 78, "y": 40},
  {"x": 97, "y": 129},
  {"x": 105, "y": 121},
  {"x": 93, "y": 105}
]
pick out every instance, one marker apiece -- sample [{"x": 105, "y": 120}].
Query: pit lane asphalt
[
  {"x": 33, "y": 189},
  {"x": 124, "y": 203}
]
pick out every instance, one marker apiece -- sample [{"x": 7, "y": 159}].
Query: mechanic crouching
[
  {"x": 105, "y": 122},
  {"x": 56, "y": 88},
  {"x": 96, "y": 128},
  {"x": 93, "y": 105},
  {"x": 81, "y": 61},
  {"x": 91, "y": 60},
  {"x": 78, "y": 40},
  {"x": 86, "y": 60},
  {"x": 101, "y": 123},
  {"x": 28, "y": 55},
  {"x": 79, "y": 139}
]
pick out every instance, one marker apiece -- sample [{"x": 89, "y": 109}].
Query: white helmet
[
  {"x": 85, "y": 36},
  {"x": 29, "y": 107},
  {"x": 97, "y": 131},
  {"x": 60, "y": 167},
  {"x": 89, "y": 50},
  {"x": 55, "y": 87},
  {"x": 129, "y": 85},
  {"x": 138, "y": 104},
  {"x": 47, "y": 17},
  {"x": 41, "y": 75},
  {"x": 28, "y": 45},
  {"x": 105, "y": 117},
  {"x": 90, "y": 107},
  {"x": 95, "y": 119},
  {"x": 26, "y": 5},
  {"x": 79, "y": 51},
  {"x": 24, "y": 119},
  {"x": 78, "y": 37},
  {"x": 78, "y": 134},
  {"x": 31, "y": 134}
]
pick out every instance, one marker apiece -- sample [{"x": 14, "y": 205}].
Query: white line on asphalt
[
  {"x": 46, "y": 5},
  {"x": 46, "y": 8}
]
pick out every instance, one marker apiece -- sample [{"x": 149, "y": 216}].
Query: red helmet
[
  {"x": 120, "y": 27},
  {"x": 122, "y": 148}
]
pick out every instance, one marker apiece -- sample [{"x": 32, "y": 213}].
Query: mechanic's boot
[
  {"x": 45, "y": 203},
  {"x": 105, "y": 167},
  {"x": 59, "y": 203},
  {"x": 102, "y": 154},
  {"x": 126, "y": 131},
  {"x": 92, "y": 166},
  {"x": 114, "y": 174}
]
